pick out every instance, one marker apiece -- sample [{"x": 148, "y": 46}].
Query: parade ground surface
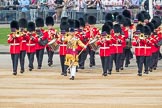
[{"x": 46, "y": 88}]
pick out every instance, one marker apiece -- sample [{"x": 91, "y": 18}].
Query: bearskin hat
[
  {"x": 23, "y": 23},
  {"x": 155, "y": 22},
  {"x": 106, "y": 28},
  {"x": 117, "y": 28},
  {"x": 126, "y": 13},
  {"x": 14, "y": 25},
  {"x": 158, "y": 19},
  {"x": 76, "y": 24},
  {"x": 91, "y": 20},
  {"x": 139, "y": 28},
  {"x": 31, "y": 26},
  {"x": 147, "y": 30},
  {"x": 140, "y": 17},
  {"x": 64, "y": 26},
  {"x": 146, "y": 15},
  {"x": 115, "y": 14},
  {"x": 64, "y": 19},
  {"x": 49, "y": 20},
  {"x": 127, "y": 22},
  {"x": 82, "y": 22},
  {"x": 151, "y": 25},
  {"x": 71, "y": 23},
  {"x": 109, "y": 23},
  {"x": 109, "y": 17},
  {"x": 39, "y": 22},
  {"x": 120, "y": 19}
]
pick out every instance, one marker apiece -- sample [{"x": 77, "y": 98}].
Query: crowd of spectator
[{"x": 57, "y": 8}]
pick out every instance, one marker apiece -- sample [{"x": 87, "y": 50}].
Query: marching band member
[
  {"x": 142, "y": 48},
  {"x": 105, "y": 53},
  {"x": 71, "y": 58},
  {"x": 42, "y": 41},
  {"x": 31, "y": 41},
  {"x": 84, "y": 39},
  {"x": 117, "y": 42},
  {"x": 63, "y": 46},
  {"x": 14, "y": 40},
  {"x": 52, "y": 33},
  {"x": 92, "y": 33},
  {"x": 23, "y": 25}
]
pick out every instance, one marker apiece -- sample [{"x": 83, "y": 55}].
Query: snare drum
[
  {"x": 93, "y": 44},
  {"x": 53, "y": 45}
]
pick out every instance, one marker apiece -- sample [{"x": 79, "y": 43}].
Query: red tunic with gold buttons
[
  {"x": 14, "y": 43},
  {"x": 23, "y": 42},
  {"x": 62, "y": 45}
]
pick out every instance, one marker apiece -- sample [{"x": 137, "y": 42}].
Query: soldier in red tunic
[
  {"x": 105, "y": 42},
  {"x": 31, "y": 41},
  {"x": 14, "y": 40},
  {"x": 23, "y": 25},
  {"x": 42, "y": 41},
  {"x": 52, "y": 34}
]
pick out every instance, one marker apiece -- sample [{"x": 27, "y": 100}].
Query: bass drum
[
  {"x": 93, "y": 44},
  {"x": 53, "y": 45}
]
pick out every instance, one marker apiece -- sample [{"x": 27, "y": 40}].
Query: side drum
[
  {"x": 93, "y": 44},
  {"x": 53, "y": 45}
]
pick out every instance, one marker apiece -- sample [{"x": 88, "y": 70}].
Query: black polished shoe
[
  {"x": 81, "y": 67},
  {"x": 117, "y": 70},
  {"x": 150, "y": 70},
  {"x": 39, "y": 67},
  {"x": 126, "y": 65},
  {"x": 154, "y": 68},
  {"x": 62, "y": 73},
  {"x": 90, "y": 65},
  {"x": 139, "y": 74},
  {"x": 146, "y": 72},
  {"x": 104, "y": 74},
  {"x": 121, "y": 68},
  {"x": 21, "y": 71},
  {"x": 30, "y": 69},
  {"x": 72, "y": 78},
  {"x": 15, "y": 73},
  {"x": 65, "y": 74}
]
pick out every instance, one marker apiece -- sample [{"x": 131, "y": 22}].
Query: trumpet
[
  {"x": 17, "y": 34},
  {"x": 108, "y": 37},
  {"x": 142, "y": 36}
]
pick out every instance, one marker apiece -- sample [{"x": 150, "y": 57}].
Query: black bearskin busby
[
  {"x": 140, "y": 17},
  {"x": 71, "y": 23},
  {"x": 109, "y": 17},
  {"x": 139, "y": 28},
  {"x": 82, "y": 22},
  {"x": 49, "y": 20},
  {"x": 117, "y": 28},
  {"x": 158, "y": 20},
  {"x": 64, "y": 26},
  {"x": 126, "y": 13},
  {"x": 91, "y": 20},
  {"x": 31, "y": 26},
  {"x": 115, "y": 14},
  {"x": 64, "y": 19},
  {"x": 127, "y": 22},
  {"x": 109, "y": 23},
  {"x": 14, "y": 26},
  {"x": 146, "y": 15},
  {"x": 106, "y": 28},
  {"x": 76, "y": 24},
  {"x": 147, "y": 30},
  {"x": 120, "y": 19},
  {"x": 151, "y": 25},
  {"x": 155, "y": 22},
  {"x": 23, "y": 23},
  {"x": 39, "y": 22}
]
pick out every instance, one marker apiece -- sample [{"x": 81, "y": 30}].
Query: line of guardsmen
[{"x": 78, "y": 38}]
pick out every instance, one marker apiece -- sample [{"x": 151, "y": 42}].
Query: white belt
[
  {"x": 15, "y": 44},
  {"x": 30, "y": 44},
  {"x": 104, "y": 47},
  {"x": 63, "y": 45},
  {"x": 116, "y": 44},
  {"x": 142, "y": 47},
  {"x": 23, "y": 40}
]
